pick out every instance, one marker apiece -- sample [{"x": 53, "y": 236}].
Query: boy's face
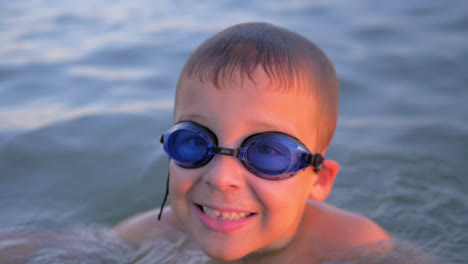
[{"x": 267, "y": 212}]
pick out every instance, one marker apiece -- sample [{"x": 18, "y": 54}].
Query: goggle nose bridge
[{"x": 224, "y": 151}]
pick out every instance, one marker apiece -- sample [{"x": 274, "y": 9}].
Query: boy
[{"x": 255, "y": 110}]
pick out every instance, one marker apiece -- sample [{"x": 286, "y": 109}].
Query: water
[{"x": 86, "y": 88}]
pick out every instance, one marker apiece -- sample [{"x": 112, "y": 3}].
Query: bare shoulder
[
  {"x": 344, "y": 229},
  {"x": 145, "y": 226}
]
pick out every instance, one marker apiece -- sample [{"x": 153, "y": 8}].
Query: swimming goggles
[{"x": 268, "y": 155}]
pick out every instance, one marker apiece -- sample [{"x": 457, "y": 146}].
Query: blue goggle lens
[
  {"x": 269, "y": 157},
  {"x": 187, "y": 146}
]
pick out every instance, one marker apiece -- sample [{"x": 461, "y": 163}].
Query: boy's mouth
[{"x": 223, "y": 215}]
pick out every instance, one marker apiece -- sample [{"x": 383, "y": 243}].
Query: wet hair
[{"x": 290, "y": 60}]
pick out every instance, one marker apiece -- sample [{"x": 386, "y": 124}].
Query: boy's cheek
[
  {"x": 178, "y": 189},
  {"x": 180, "y": 181}
]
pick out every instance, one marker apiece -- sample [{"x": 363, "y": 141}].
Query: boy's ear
[{"x": 325, "y": 179}]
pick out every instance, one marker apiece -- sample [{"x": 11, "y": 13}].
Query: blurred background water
[{"x": 86, "y": 89}]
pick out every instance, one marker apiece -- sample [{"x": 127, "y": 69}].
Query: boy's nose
[{"x": 225, "y": 173}]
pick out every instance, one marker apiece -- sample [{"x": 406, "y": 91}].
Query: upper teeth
[{"x": 224, "y": 215}]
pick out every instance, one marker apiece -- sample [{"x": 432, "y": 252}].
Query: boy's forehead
[{"x": 259, "y": 89}]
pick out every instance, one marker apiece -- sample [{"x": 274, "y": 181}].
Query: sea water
[{"x": 86, "y": 89}]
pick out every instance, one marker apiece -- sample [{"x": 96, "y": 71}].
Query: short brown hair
[{"x": 286, "y": 57}]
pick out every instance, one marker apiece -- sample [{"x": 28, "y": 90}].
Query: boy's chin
[
  {"x": 225, "y": 252},
  {"x": 242, "y": 251},
  {"x": 224, "y": 255}
]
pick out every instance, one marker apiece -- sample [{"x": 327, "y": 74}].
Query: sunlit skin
[
  {"x": 234, "y": 112},
  {"x": 287, "y": 222}
]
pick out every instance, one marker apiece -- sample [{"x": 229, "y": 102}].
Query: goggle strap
[
  {"x": 167, "y": 186},
  {"x": 165, "y": 197},
  {"x": 316, "y": 162}
]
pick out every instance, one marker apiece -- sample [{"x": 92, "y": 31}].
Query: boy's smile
[
  {"x": 228, "y": 211},
  {"x": 223, "y": 219},
  {"x": 230, "y": 215}
]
